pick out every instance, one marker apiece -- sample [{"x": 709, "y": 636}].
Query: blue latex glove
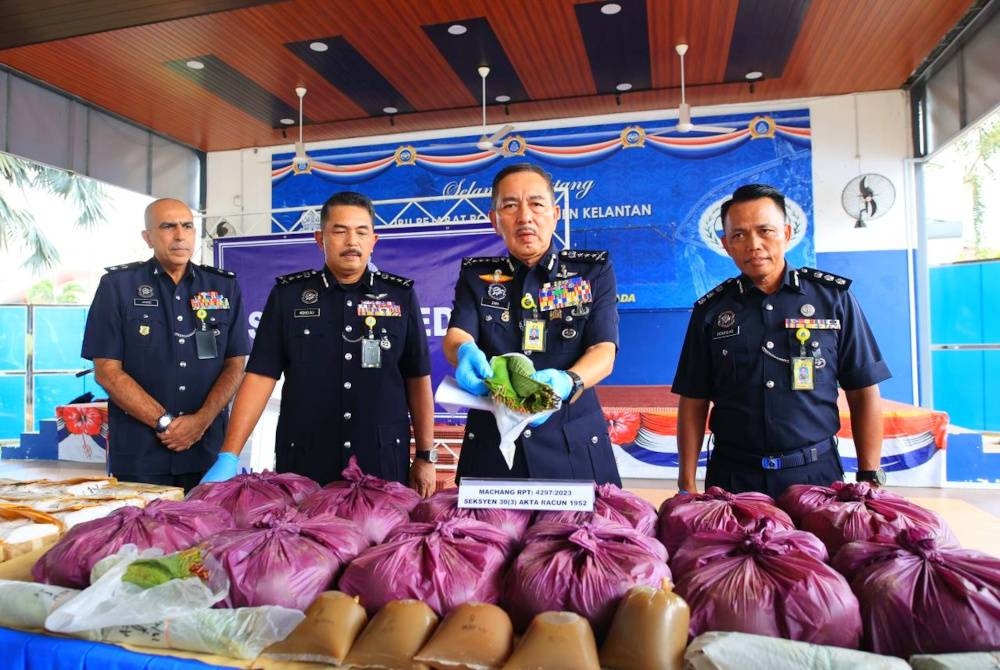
[
  {"x": 542, "y": 419},
  {"x": 557, "y": 379},
  {"x": 472, "y": 369},
  {"x": 224, "y": 468}
]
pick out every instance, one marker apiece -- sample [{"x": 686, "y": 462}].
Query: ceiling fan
[
  {"x": 684, "y": 124},
  {"x": 301, "y": 161},
  {"x": 489, "y": 142}
]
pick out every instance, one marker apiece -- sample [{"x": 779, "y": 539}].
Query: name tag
[
  {"x": 728, "y": 332},
  {"x": 145, "y": 302},
  {"x": 304, "y": 312}
]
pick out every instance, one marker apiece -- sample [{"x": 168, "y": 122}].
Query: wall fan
[
  {"x": 684, "y": 124},
  {"x": 868, "y": 196},
  {"x": 488, "y": 142}
]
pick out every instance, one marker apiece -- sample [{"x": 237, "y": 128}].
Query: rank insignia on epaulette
[
  {"x": 599, "y": 257},
  {"x": 123, "y": 266},
  {"x": 395, "y": 279},
  {"x": 295, "y": 276},
  {"x": 473, "y": 261},
  {"x": 718, "y": 290},
  {"x": 218, "y": 271},
  {"x": 827, "y": 278}
]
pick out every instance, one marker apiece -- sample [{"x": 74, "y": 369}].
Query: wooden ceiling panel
[{"x": 842, "y": 46}]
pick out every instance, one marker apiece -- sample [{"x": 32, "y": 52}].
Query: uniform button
[
  {"x": 527, "y": 433},
  {"x": 347, "y": 445},
  {"x": 769, "y": 307},
  {"x": 815, "y": 344},
  {"x": 181, "y": 340},
  {"x": 305, "y": 332},
  {"x": 177, "y": 297},
  {"x": 347, "y": 385},
  {"x": 183, "y": 364},
  {"x": 350, "y": 303},
  {"x": 472, "y": 436},
  {"x": 347, "y": 415},
  {"x": 769, "y": 344},
  {"x": 348, "y": 356},
  {"x": 182, "y": 388},
  {"x": 347, "y": 329},
  {"x": 180, "y": 318},
  {"x": 769, "y": 384},
  {"x": 488, "y": 318},
  {"x": 397, "y": 440},
  {"x": 593, "y": 439}
]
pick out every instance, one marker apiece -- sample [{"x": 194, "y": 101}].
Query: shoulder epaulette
[
  {"x": 473, "y": 261},
  {"x": 821, "y": 277},
  {"x": 394, "y": 279},
  {"x": 598, "y": 257},
  {"x": 218, "y": 271},
  {"x": 715, "y": 292},
  {"x": 295, "y": 276},
  {"x": 124, "y": 266}
]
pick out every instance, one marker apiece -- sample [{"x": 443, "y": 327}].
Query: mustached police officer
[
  {"x": 768, "y": 350},
  {"x": 559, "y": 308},
  {"x": 168, "y": 339},
  {"x": 351, "y": 344}
]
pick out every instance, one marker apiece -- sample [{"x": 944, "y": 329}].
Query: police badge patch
[
  {"x": 309, "y": 296},
  {"x": 726, "y": 319}
]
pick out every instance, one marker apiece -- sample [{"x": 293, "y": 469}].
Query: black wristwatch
[
  {"x": 164, "y": 422},
  {"x": 577, "y": 391},
  {"x": 876, "y": 476},
  {"x": 431, "y": 455}
]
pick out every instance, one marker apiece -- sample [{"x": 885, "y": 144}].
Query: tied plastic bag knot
[{"x": 585, "y": 539}]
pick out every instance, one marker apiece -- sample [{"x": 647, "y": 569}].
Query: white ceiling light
[
  {"x": 390, "y": 110},
  {"x": 754, "y": 75},
  {"x": 457, "y": 29},
  {"x": 502, "y": 98},
  {"x": 195, "y": 65},
  {"x": 319, "y": 46},
  {"x": 610, "y": 8},
  {"x": 624, "y": 86},
  {"x": 287, "y": 121}
]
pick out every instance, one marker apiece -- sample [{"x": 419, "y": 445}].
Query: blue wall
[{"x": 651, "y": 340}]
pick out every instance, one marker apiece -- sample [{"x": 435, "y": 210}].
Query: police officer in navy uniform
[
  {"x": 351, "y": 344},
  {"x": 559, "y": 308},
  {"x": 768, "y": 349},
  {"x": 168, "y": 339}
]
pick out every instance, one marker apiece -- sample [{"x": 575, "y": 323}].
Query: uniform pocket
[
  {"x": 730, "y": 359},
  {"x": 590, "y": 451},
  {"x": 394, "y": 450}
]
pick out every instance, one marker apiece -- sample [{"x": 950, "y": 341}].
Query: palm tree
[
  {"x": 980, "y": 148},
  {"x": 17, "y": 224}
]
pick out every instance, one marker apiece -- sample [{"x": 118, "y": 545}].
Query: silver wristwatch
[{"x": 164, "y": 422}]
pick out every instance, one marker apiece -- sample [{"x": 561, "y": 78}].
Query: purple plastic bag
[
  {"x": 288, "y": 559},
  {"x": 444, "y": 505},
  {"x": 715, "y": 509},
  {"x": 166, "y": 524},
  {"x": 858, "y": 511},
  {"x": 253, "y": 495},
  {"x": 766, "y": 582},
  {"x": 444, "y": 564},
  {"x": 919, "y": 596},
  {"x": 614, "y": 504},
  {"x": 581, "y": 568}
]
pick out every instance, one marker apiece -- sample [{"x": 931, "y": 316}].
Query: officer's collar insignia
[
  {"x": 309, "y": 296},
  {"x": 145, "y": 291},
  {"x": 726, "y": 319},
  {"x": 498, "y": 277},
  {"x": 582, "y": 255},
  {"x": 565, "y": 273}
]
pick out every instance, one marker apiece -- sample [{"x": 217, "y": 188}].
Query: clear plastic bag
[{"x": 109, "y": 601}]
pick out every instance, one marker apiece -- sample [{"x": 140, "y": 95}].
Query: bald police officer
[
  {"x": 768, "y": 349},
  {"x": 559, "y": 308},
  {"x": 168, "y": 339},
  {"x": 350, "y": 342}
]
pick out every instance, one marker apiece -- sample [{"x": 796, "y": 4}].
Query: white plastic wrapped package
[
  {"x": 741, "y": 651},
  {"x": 26, "y": 604}
]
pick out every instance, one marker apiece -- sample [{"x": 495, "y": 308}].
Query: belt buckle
[{"x": 771, "y": 462}]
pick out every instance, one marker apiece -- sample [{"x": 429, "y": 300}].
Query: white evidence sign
[{"x": 561, "y": 495}]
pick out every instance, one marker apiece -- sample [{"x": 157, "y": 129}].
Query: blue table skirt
[{"x": 33, "y": 651}]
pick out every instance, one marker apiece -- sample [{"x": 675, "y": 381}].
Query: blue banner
[{"x": 647, "y": 193}]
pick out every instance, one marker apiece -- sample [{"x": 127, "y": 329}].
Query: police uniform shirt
[
  {"x": 573, "y": 443},
  {"x": 738, "y": 349},
  {"x": 332, "y": 407},
  {"x": 141, "y": 318}
]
